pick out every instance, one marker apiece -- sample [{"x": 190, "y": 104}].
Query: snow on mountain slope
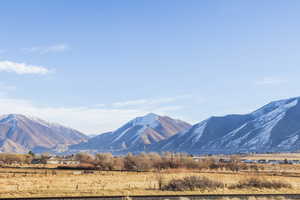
[
  {"x": 274, "y": 127},
  {"x": 135, "y": 135},
  {"x": 19, "y": 134},
  {"x": 10, "y": 146}
]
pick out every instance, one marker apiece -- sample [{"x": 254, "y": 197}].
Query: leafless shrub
[
  {"x": 160, "y": 180},
  {"x": 192, "y": 183},
  {"x": 84, "y": 158},
  {"x": 255, "y": 182},
  {"x": 15, "y": 158},
  {"x": 104, "y": 161}
]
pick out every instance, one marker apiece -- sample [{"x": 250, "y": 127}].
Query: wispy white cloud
[
  {"x": 85, "y": 119},
  {"x": 100, "y": 105},
  {"x": 271, "y": 81},
  {"x": 149, "y": 102},
  {"x": 162, "y": 106},
  {"x": 6, "y": 87},
  {"x": 89, "y": 120},
  {"x": 130, "y": 103},
  {"x": 165, "y": 109},
  {"x": 22, "y": 68},
  {"x": 47, "y": 49}
]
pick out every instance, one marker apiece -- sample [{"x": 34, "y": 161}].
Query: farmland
[
  {"x": 151, "y": 172},
  {"x": 39, "y": 182}
]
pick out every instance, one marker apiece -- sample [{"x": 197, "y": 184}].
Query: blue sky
[{"x": 94, "y": 65}]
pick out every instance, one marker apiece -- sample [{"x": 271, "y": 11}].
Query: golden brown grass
[
  {"x": 38, "y": 183},
  {"x": 257, "y": 198},
  {"x": 274, "y": 156},
  {"x": 271, "y": 156}
]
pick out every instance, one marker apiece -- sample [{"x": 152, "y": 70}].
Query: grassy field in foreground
[{"x": 40, "y": 182}]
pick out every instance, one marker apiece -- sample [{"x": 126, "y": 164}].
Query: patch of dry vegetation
[
  {"x": 148, "y": 174},
  {"x": 29, "y": 182},
  {"x": 257, "y": 198},
  {"x": 255, "y": 182},
  {"x": 192, "y": 183},
  {"x": 274, "y": 156}
]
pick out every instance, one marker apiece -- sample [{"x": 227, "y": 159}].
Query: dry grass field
[
  {"x": 271, "y": 156},
  {"x": 27, "y": 180},
  {"x": 274, "y": 156},
  {"x": 41, "y": 182}
]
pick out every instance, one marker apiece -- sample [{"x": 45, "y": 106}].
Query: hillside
[{"x": 20, "y": 133}]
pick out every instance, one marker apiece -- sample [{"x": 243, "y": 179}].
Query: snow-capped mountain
[
  {"x": 136, "y": 135},
  {"x": 20, "y": 133},
  {"x": 272, "y": 128}
]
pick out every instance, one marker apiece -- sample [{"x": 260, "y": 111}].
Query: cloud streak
[
  {"x": 22, "y": 68},
  {"x": 47, "y": 49},
  {"x": 270, "y": 81},
  {"x": 5, "y": 87},
  {"x": 149, "y": 102},
  {"x": 85, "y": 119},
  {"x": 89, "y": 120}
]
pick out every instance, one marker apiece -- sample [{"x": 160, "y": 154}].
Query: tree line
[
  {"x": 157, "y": 162},
  {"x": 131, "y": 162}
]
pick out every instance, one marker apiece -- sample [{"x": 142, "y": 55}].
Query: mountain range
[
  {"x": 136, "y": 135},
  {"x": 20, "y": 134},
  {"x": 274, "y": 127}
]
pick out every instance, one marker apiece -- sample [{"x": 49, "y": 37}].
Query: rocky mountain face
[
  {"x": 272, "y": 128},
  {"x": 136, "y": 135},
  {"x": 19, "y": 134}
]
